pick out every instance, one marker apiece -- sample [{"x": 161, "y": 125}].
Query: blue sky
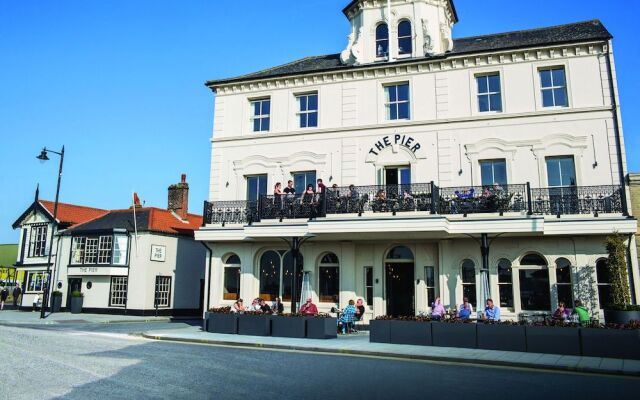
[{"x": 120, "y": 83}]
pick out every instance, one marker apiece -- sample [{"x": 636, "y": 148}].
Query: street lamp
[{"x": 44, "y": 157}]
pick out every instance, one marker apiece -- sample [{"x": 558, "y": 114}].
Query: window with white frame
[
  {"x": 163, "y": 291},
  {"x": 118, "y": 293},
  {"x": 78, "y": 246},
  {"x": 397, "y": 101},
  {"x": 469, "y": 281},
  {"x": 302, "y": 179},
  {"x": 329, "y": 279},
  {"x": 553, "y": 84},
  {"x": 430, "y": 281},
  {"x": 36, "y": 281},
  {"x": 91, "y": 251},
  {"x": 563, "y": 282},
  {"x": 307, "y": 110},
  {"x": 505, "y": 283},
  {"x": 256, "y": 187},
  {"x": 382, "y": 40},
  {"x": 261, "y": 114},
  {"x": 38, "y": 240},
  {"x": 603, "y": 274},
  {"x": 489, "y": 93},
  {"x": 104, "y": 249},
  {"x": 493, "y": 171},
  {"x": 405, "y": 39},
  {"x": 368, "y": 285},
  {"x": 120, "y": 247},
  {"x": 232, "y": 270}
]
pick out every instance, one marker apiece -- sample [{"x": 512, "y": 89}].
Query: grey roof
[
  {"x": 115, "y": 220},
  {"x": 571, "y": 33}
]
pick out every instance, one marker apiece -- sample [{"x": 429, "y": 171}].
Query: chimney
[{"x": 179, "y": 198}]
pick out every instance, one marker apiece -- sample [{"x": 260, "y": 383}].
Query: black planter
[
  {"x": 322, "y": 328},
  {"x": 76, "y": 305},
  {"x": 620, "y": 317},
  {"x": 221, "y": 323},
  {"x": 501, "y": 337},
  {"x": 553, "y": 340},
  {"x": 56, "y": 304},
  {"x": 380, "y": 331},
  {"x": 446, "y": 334},
  {"x": 291, "y": 327},
  {"x": 610, "y": 343},
  {"x": 254, "y": 325},
  {"x": 410, "y": 332}
]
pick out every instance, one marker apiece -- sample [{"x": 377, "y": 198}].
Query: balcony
[{"x": 419, "y": 198}]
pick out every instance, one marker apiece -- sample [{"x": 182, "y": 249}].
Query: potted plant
[
  {"x": 221, "y": 320},
  {"x": 415, "y": 330},
  {"x": 553, "y": 337},
  {"x": 506, "y": 335},
  {"x": 454, "y": 333},
  {"x": 288, "y": 325},
  {"x": 611, "y": 341},
  {"x": 620, "y": 310},
  {"x": 77, "y": 298},
  {"x": 56, "y": 301},
  {"x": 254, "y": 324},
  {"x": 322, "y": 326}
]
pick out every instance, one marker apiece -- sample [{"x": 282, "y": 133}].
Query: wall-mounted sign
[
  {"x": 400, "y": 140},
  {"x": 158, "y": 253}
]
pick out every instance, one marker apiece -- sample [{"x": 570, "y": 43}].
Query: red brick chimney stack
[{"x": 179, "y": 198}]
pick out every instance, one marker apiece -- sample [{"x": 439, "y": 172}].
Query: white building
[
  {"x": 511, "y": 140},
  {"x": 158, "y": 270}
]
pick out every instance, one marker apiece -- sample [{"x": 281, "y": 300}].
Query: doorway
[
  {"x": 75, "y": 284},
  {"x": 397, "y": 179},
  {"x": 400, "y": 287}
]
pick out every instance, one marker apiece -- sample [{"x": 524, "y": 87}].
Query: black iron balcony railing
[
  {"x": 577, "y": 200},
  {"x": 420, "y": 197}
]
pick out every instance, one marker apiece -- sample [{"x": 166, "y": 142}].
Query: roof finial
[{"x": 37, "y": 192}]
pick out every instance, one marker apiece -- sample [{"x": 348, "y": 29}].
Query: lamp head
[{"x": 43, "y": 156}]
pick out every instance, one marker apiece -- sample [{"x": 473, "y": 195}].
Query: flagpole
[
  {"x": 390, "y": 29},
  {"x": 135, "y": 221}
]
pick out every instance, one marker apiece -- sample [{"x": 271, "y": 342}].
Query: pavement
[
  {"x": 359, "y": 345},
  {"x": 14, "y": 317}
]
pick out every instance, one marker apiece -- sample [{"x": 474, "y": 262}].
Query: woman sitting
[
  {"x": 562, "y": 313},
  {"x": 277, "y": 306},
  {"x": 237, "y": 307},
  {"x": 347, "y": 317},
  {"x": 437, "y": 310}
]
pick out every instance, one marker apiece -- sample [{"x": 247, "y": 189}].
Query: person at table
[
  {"x": 264, "y": 307},
  {"x": 491, "y": 311},
  {"x": 465, "y": 311},
  {"x": 309, "y": 308},
  {"x": 437, "y": 310},
  {"x": 254, "y": 306},
  {"x": 466, "y": 304},
  {"x": 277, "y": 306},
  {"x": 582, "y": 313},
  {"x": 347, "y": 317},
  {"x": 562, "y": 313},
  {"x": 359, "y": 310},
  {"x": 289, "y": 190},
  {"x": 237, "y": 307}
]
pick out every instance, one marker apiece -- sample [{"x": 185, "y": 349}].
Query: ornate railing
[
  {"x": 482, "y": 199},
  {"x": 425, "y": 197},
  {"x": 577, "y": 200}
]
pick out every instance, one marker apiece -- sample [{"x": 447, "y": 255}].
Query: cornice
[{"x": 414, "y": 66}]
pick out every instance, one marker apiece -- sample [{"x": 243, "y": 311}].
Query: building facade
[{"x": 488, "y": 166}]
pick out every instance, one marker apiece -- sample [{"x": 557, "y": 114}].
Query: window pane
[
  {"x": 483, "y": 86},
  {"x": 469, "y": 291},
  {"x": 568, "y": 171},
  {"x": 565, "y": 295},
  {"x": 302, "y": 102},
  {"x": 256, "y": 108},
  {"x": 404, "y": 46},
  {"x": 269, "y": 276},
  {"x": 483, "y": 103},
  {"x": 303, "y": 120},
  {"x": 500, "y": 172},
  {"x": 313, "y": 102},
  {"x": 382, "y": 32},
  {"x": 553, "y": 172},
  {"x": 430, "y": 278},
  {"x": 404, "y": 28},
  {"x": 311, "y": 177},
  {"x": 604, "y": 294},
  {"x": 252, "y": 188},
  {"x": 403, "y": 92},
  {"x": 560, "y": 97},
  {"x": 486, "y": 173},
  {"x": 506, "y": 295},
  {"x": 287, "y": 275},
  {"x": 400, "y": 253},
  {"x": 262, "y": 184},
  {"x": 312, "y": 120},
  {"x": 534, "y": 289},
  {"x": 545, "y": 78},
  {"x": 403, "y": 111},
  {"x": 266, "y": 107},
  {"x": 120, "y": 250},
  {"x": 558, "y": 77},
  {"x": 468, "y": 272},
  {"x": 299, "y": 182},
  {"x": 391, "y": 93},
  {"x": 231, "y": 283},
  {"x": 602, "y": 272},
  {"x": 329, "y": 284},
  {"x": 265, "y": 124},
  {"x": 393, "y": 112},
  {"x": 494, "y": 83},
  {"x": 232, "y": 259},
  {"x": 505, "y": 274},
  {"x": 496, "y": 102},
  {"x": 533, "y": 259},
  {"x": 547, "y": 98},
  {"x": 405, "y": 176}
]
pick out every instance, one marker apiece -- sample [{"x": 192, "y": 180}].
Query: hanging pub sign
[{"x": 395, "y": 140}]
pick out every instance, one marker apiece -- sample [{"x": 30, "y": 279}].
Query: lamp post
[{"x": 44, "y": 157}]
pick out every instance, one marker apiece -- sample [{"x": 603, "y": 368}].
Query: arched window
[
  {"x": 505, "y": 282},
  {"x": 329, "y": 279},
  {"x": 405, "y": 45},
  {"x": 231, "y": 289},
  {"x": 563, "y": 279},
  {"x": 534, "y": 283},
  {"x": 276, "y": 270},
  {"x": 604, "y": 282},
  {"x": 400, "y": 253},
  {"x": 382, "y": 40},
  {"x": 469, "y": 281}
]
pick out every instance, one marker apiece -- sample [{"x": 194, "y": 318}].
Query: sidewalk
[
  {"x": 13, "y": 317},
  {"x": 359, "y": 345}
]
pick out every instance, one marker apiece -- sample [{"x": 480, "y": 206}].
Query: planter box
[
  {"x": 501, "y": 337},
  {"x": 553, "y": 340},
  {"x": 322, "y": 328},
  {"x": 380, "y": 331},
  {"x": 410, "y": 332},
  {"x": 76, "y": 305},
  {"x": 291, "y": 327},
  {"x": 56, "y": 304},
  {"x": 254, "y": 325},
  {"x": 620, "y": 317},
  {"x": 610, "y": 343},
  {"x": 453, "y": 334},
  {"x": 222, "y": 323}
]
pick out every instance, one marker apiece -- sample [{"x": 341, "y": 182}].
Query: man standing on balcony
[{"x": 290, "y": 190}]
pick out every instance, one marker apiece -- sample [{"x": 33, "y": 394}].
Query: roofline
[
  {"x": 214, "y": 84},
  {"x": 345, "y": 10}
]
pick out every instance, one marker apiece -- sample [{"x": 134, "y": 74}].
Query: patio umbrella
[
  {"x": 305, "y": 293},
  {"x": 485, "y": 293}
]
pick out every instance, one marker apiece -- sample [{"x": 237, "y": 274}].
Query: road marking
[{"x": 126, "y": 336}]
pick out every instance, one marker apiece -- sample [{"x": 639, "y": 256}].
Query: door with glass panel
[
  {"x": 397, "y": 180},
  {"x": 561, "y": 177}
]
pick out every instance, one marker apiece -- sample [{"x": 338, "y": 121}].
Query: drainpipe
[
  {"x": 632, "y": 286},
  {"x": 208, "y": 294},
  {"x": 616, "y": 128}
]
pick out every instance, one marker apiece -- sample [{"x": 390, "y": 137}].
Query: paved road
[{"x": 100, "y": 361}]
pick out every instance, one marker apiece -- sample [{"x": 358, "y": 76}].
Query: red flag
[{"x": 136, "y": 200}]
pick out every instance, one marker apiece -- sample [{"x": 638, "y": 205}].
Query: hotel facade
[{"x": 488, "y": 166}]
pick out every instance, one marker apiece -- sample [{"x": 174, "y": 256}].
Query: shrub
[
  {"x": 56, "y": 293},
  {"x": 617, "y": 264},
  {"x": 77, "y": 293},
  {"x": 220, "y": 310}
]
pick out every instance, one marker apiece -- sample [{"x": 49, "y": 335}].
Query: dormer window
[
  {"x": 405, "y": 44},
  {"x": 382, "y": 40}
]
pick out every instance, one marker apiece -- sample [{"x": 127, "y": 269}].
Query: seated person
[
  {"x": 264, "y": 307},
  {"x": 562, "y": 313},
  {"x": 380, "y": 200},
  {"x": 309, "y": 308},
  {"x": 465, "y": 310},
  {"x": 359, "y": 310},
  {"x": 353, "y": 193},
  {"x": 237, "y": 307},
  {"x": 582, "y": 313},
  {"x": 437, "y": 310},
  {"x": 491, "y": 311},
  {"x": 347, "y": 317},
  {"x": 254, "y": 306},
  {"x": 277, "y": 306}
]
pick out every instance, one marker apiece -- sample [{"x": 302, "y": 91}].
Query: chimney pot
[
  {"x": 179, "y": 198},
  {"x": 183, "y": 178}
]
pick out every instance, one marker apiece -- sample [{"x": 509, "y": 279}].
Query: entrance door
[
  {"x": 75, "y": 284},
  {"x": 400, "y": 287},
  {"x": 397, "y": 179}
]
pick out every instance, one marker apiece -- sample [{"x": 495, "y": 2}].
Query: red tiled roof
[
  {"x": 71, "y": 213},
  {"x": 161, "y": 220}
]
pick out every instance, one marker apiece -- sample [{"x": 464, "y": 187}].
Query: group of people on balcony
[{"x": 465, "y": 311}]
